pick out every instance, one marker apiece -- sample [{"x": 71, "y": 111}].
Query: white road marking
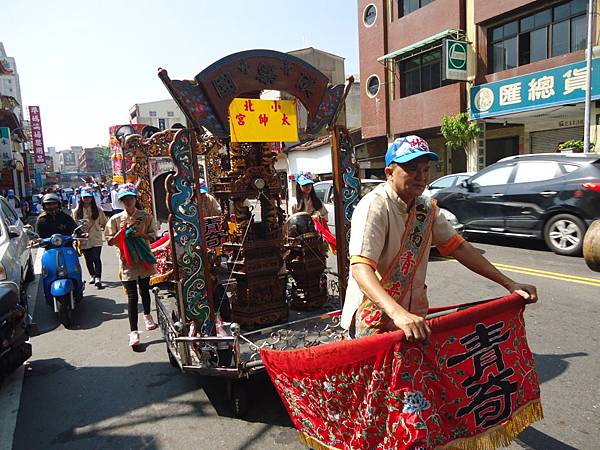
[{"x": 10, "y": 391}]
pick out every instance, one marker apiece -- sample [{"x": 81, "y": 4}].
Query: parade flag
[
  {"x": 471, "y": 386},
  {"x": 253, "y": 120}
]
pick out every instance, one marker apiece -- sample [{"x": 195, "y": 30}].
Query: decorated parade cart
[
  {"x": 245, "y": 289},
  {"x": 232, "y": 284}
]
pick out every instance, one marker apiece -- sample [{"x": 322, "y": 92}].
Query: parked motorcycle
[
  {"x": 61, "y": 274},
  {"x": 15, "y": 329}
]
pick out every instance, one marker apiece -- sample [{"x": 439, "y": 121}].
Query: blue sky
[{"x": 85, "y": 63}]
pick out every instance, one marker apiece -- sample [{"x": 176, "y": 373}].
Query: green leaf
[
  {"x": 508, "y": 351},
  {"x": 459, "y": 131},
  {"x": 406, "y": 376},
  {"x": 420, "y": 426},
  {"x": 432, "y": 376}
]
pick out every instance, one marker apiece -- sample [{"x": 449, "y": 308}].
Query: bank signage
[
  {"x": 455, "y": 60},
  {"x": 552, "y": 87}
]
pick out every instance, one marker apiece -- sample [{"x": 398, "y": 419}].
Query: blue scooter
[{"x": 61, "y": 275}]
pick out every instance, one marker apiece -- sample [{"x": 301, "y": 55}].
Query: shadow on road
[
  {"x": 535, "y": 439},
  {"x": 89, "y": 406},
  {"x": 95, "y": 407},
  {"x": 551, "y": 366}
]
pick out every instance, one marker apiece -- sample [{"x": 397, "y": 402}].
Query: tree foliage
[
  {"x": 459, "y": 131},
  {"x": 103, "y": 159}
]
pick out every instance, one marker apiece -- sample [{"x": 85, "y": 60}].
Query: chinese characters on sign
[
  {"x": 214, "y": 231},
  {"x": 489, "y": 388},
  {"x": 254, "y": 120},
  {"x": 560, "y": 85},
  {"x": 36, "y": 135}
]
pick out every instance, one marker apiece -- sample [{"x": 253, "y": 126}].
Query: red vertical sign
[{"x": 36, "y": 135}]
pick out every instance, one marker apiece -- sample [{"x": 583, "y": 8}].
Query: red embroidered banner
[{"x": 472, "y": 385}]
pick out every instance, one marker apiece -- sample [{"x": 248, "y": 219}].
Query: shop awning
[{"x": 457, "y": 34}]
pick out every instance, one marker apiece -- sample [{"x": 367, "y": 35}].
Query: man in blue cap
[{"x": 393, "y": 229}]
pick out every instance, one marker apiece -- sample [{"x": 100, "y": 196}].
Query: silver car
[
  {"x": 16, "y": 264},
  {"x": 324, "y": 191}
]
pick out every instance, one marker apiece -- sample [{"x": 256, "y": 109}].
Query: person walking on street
[
  {"x": 15, "y": 203},
  {"x": 131, "y": 231},
  {"x": 393, "y": 228},
  {"x": 106, "y": 202},
  {"x": 95, "y": 221},
  {"x": 74, "y": 200},
  {"x": 116, "y": 204}
]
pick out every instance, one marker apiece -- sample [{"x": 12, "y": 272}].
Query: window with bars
[
  {"x": 544, "y": 34},
  {"x": 420, "y": 73},
  {"x": 405, "y": 7}
]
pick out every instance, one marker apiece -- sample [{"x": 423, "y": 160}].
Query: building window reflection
[{"x": 551, "y": 32}]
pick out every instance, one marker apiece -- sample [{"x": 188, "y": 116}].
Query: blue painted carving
[{"x": 188, "y": 240}]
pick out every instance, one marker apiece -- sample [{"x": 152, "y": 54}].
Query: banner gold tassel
[
  {"x": 313, "y": 443},
  {"x": 502, "y": 435}
]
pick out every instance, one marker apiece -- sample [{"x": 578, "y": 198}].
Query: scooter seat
[{"x": 8, "y": 299}]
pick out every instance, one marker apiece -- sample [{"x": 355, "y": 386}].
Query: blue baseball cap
[
  {"x": 125, "y": 190},
  {"x": 405, "y": 149},
  {"x": 86, "y": 193},
  {"x": 304, "y": 178},
  {"x": 203, "y": 186}
]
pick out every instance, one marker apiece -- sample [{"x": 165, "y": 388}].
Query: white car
[
  {"x": 324, "y": 190},
  {"x": 15, "y": 255},
  {"x": 445, "y": 182}
]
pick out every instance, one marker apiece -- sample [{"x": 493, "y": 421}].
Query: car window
[
  {"x": 494, "y": 177},
  {"x": 441, "y": 183},
  {"x": 10, "y": 216},
  {"x": 321, "y": 190},
  {"x": 461, "y": 178},
  {"x": 530, "y": 171},
  {"x": 568, "y": 168}
]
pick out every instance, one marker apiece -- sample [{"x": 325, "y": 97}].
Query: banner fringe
[
  {"x": 502, "y": 435},
  {"x": 314, "y": 443}
]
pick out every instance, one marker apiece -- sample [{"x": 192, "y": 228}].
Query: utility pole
[{"x": 588, "y": 81}]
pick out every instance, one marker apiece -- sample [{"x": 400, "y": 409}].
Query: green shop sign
[
  {"x": 455, "y": 60},
  {"x": 552, "y": 87}
]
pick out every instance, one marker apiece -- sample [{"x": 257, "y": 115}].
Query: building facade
[
  {"x": 407, "y": 87},
  {"x": 10, "y": 85},
  {"x": 162, "y": 114},
  {"x": 88, "y": 160},
  {"x": 69, "y": 159}
]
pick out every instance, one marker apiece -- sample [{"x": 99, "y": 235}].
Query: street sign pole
[{"x": 588, "y": 81}]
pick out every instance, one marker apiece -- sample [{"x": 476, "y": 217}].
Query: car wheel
[{"x": 564, "y": 233}]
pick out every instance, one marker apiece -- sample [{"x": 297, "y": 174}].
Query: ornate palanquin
[{"x": 243, "y": 178}]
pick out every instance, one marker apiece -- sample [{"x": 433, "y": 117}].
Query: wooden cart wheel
[
  {"x": 591, "y": 246},
  {"x": 172, "y": 358},
  {"x": 239, "y": 398}
]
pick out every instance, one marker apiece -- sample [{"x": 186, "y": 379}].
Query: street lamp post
[{"x": 588, "y": 82}]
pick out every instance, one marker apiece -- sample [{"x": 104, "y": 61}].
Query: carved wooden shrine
[{"x": 244, "y": 181}]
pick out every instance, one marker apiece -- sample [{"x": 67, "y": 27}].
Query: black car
[{"x": 550, "y": 196}]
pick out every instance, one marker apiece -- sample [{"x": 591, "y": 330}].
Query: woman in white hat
[{"x": 130, "y": 224}]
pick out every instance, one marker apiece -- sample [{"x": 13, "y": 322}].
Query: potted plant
[{"x": 573, "y": 145}]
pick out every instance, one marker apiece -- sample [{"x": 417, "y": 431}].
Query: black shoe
[{"x": 99, "y": 284}]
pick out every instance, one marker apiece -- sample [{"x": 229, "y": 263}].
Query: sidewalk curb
[{"x": 10, "y": 392}]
